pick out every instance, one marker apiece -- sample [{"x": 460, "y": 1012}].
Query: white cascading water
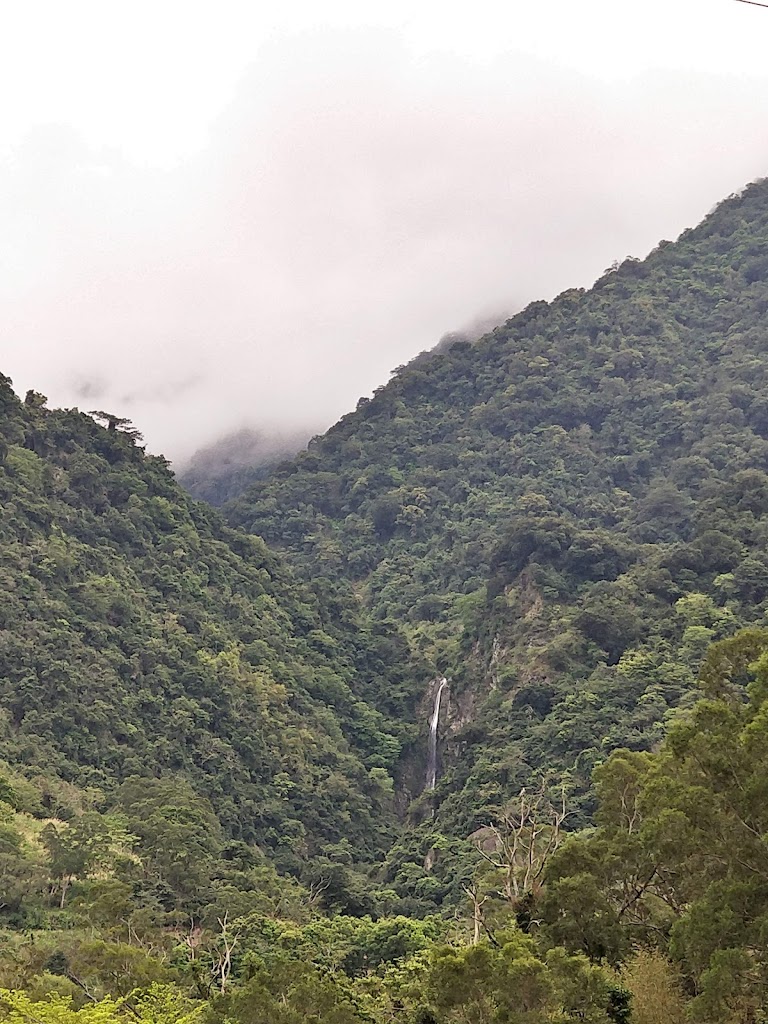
[{"x": 433, "y": 724}]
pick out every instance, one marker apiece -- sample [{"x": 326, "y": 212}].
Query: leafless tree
[
  {"x": 478, "y": 902},
  {"x": 519, "y": 845},
  {"x": 221, "y": 954}
]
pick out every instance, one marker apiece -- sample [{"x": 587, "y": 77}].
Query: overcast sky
[{"x": 214, "y": 217}]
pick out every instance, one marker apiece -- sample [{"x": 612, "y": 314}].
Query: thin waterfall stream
[{"x": 434, "y": 722}]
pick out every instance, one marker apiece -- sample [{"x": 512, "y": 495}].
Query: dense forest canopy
[
  {"x": 214, "y": 729},
  {"x": 139, "y": 636},
  {"x": 563, "y": 515}
]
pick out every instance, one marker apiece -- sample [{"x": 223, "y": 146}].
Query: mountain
[
  {"x": 221, "y": 471},
  {"x": 140, "y": 637},
  {"x": 531, "y": 570},
  {"x": 562, "y": 516}
]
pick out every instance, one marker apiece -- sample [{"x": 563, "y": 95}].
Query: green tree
[{"x": 80, "y": 848}]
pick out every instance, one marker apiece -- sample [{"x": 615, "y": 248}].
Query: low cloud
[{"x": 353, "y": 205}]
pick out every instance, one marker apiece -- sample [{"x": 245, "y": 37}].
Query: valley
[{"x": 458, "y": 715}]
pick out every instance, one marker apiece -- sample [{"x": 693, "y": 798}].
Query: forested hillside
[
  {"x": 139, "y": 636},
  {"x": 213, "y": 737},
  {"x": 564, "y": 515}
]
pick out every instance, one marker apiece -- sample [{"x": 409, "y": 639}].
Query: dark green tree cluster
[
  {"x": 141, "y": 638},
  {"x": 678, "y": 861},
  {"x": 142, "y": 910},
  {"x": 562, "y": 516}
]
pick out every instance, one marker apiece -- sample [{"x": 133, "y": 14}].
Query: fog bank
[{"x": 353, "y": 203}]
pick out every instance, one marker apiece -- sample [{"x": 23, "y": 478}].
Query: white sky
[{"x": 225, "y": 214}]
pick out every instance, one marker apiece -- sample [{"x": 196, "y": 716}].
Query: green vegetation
[
  {"x": 563, "y": 516},
  {"x": 655, "y": 915},
  {"x": 140, "y": 637},
  {"x": 678, "y": 860},
  {"x": 212, "y": 745}
]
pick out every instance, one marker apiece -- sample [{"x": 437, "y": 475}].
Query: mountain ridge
[
  {"x": 544, "y": 510},
  {"x": 532, "y": 572}
]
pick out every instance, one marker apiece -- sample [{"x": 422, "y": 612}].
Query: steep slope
[
  {"x": 141, "y": 637},
  {"x": 561, "y": 521},
  {"x": 563, "y": 515}
]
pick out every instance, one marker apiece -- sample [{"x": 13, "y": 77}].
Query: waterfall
[{"x": 434, "y": 721}]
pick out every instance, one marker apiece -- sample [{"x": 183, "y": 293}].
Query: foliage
[
  {"x": 679, "y": 858},
  {"x": 140, "y": 637},
  {"x": 211, "y": 806},
  {"x": 159, "y": 1005},
  {"x": 563, "y": 516}
]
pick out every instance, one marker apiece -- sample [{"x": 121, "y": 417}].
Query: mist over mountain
[
  {"x": 463, "y": 711},
  {"x": 223, "y": 469},
  {"x": 351, "y": 200}
]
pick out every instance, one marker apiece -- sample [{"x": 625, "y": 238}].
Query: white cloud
[{"x": 362, "y": 191}]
